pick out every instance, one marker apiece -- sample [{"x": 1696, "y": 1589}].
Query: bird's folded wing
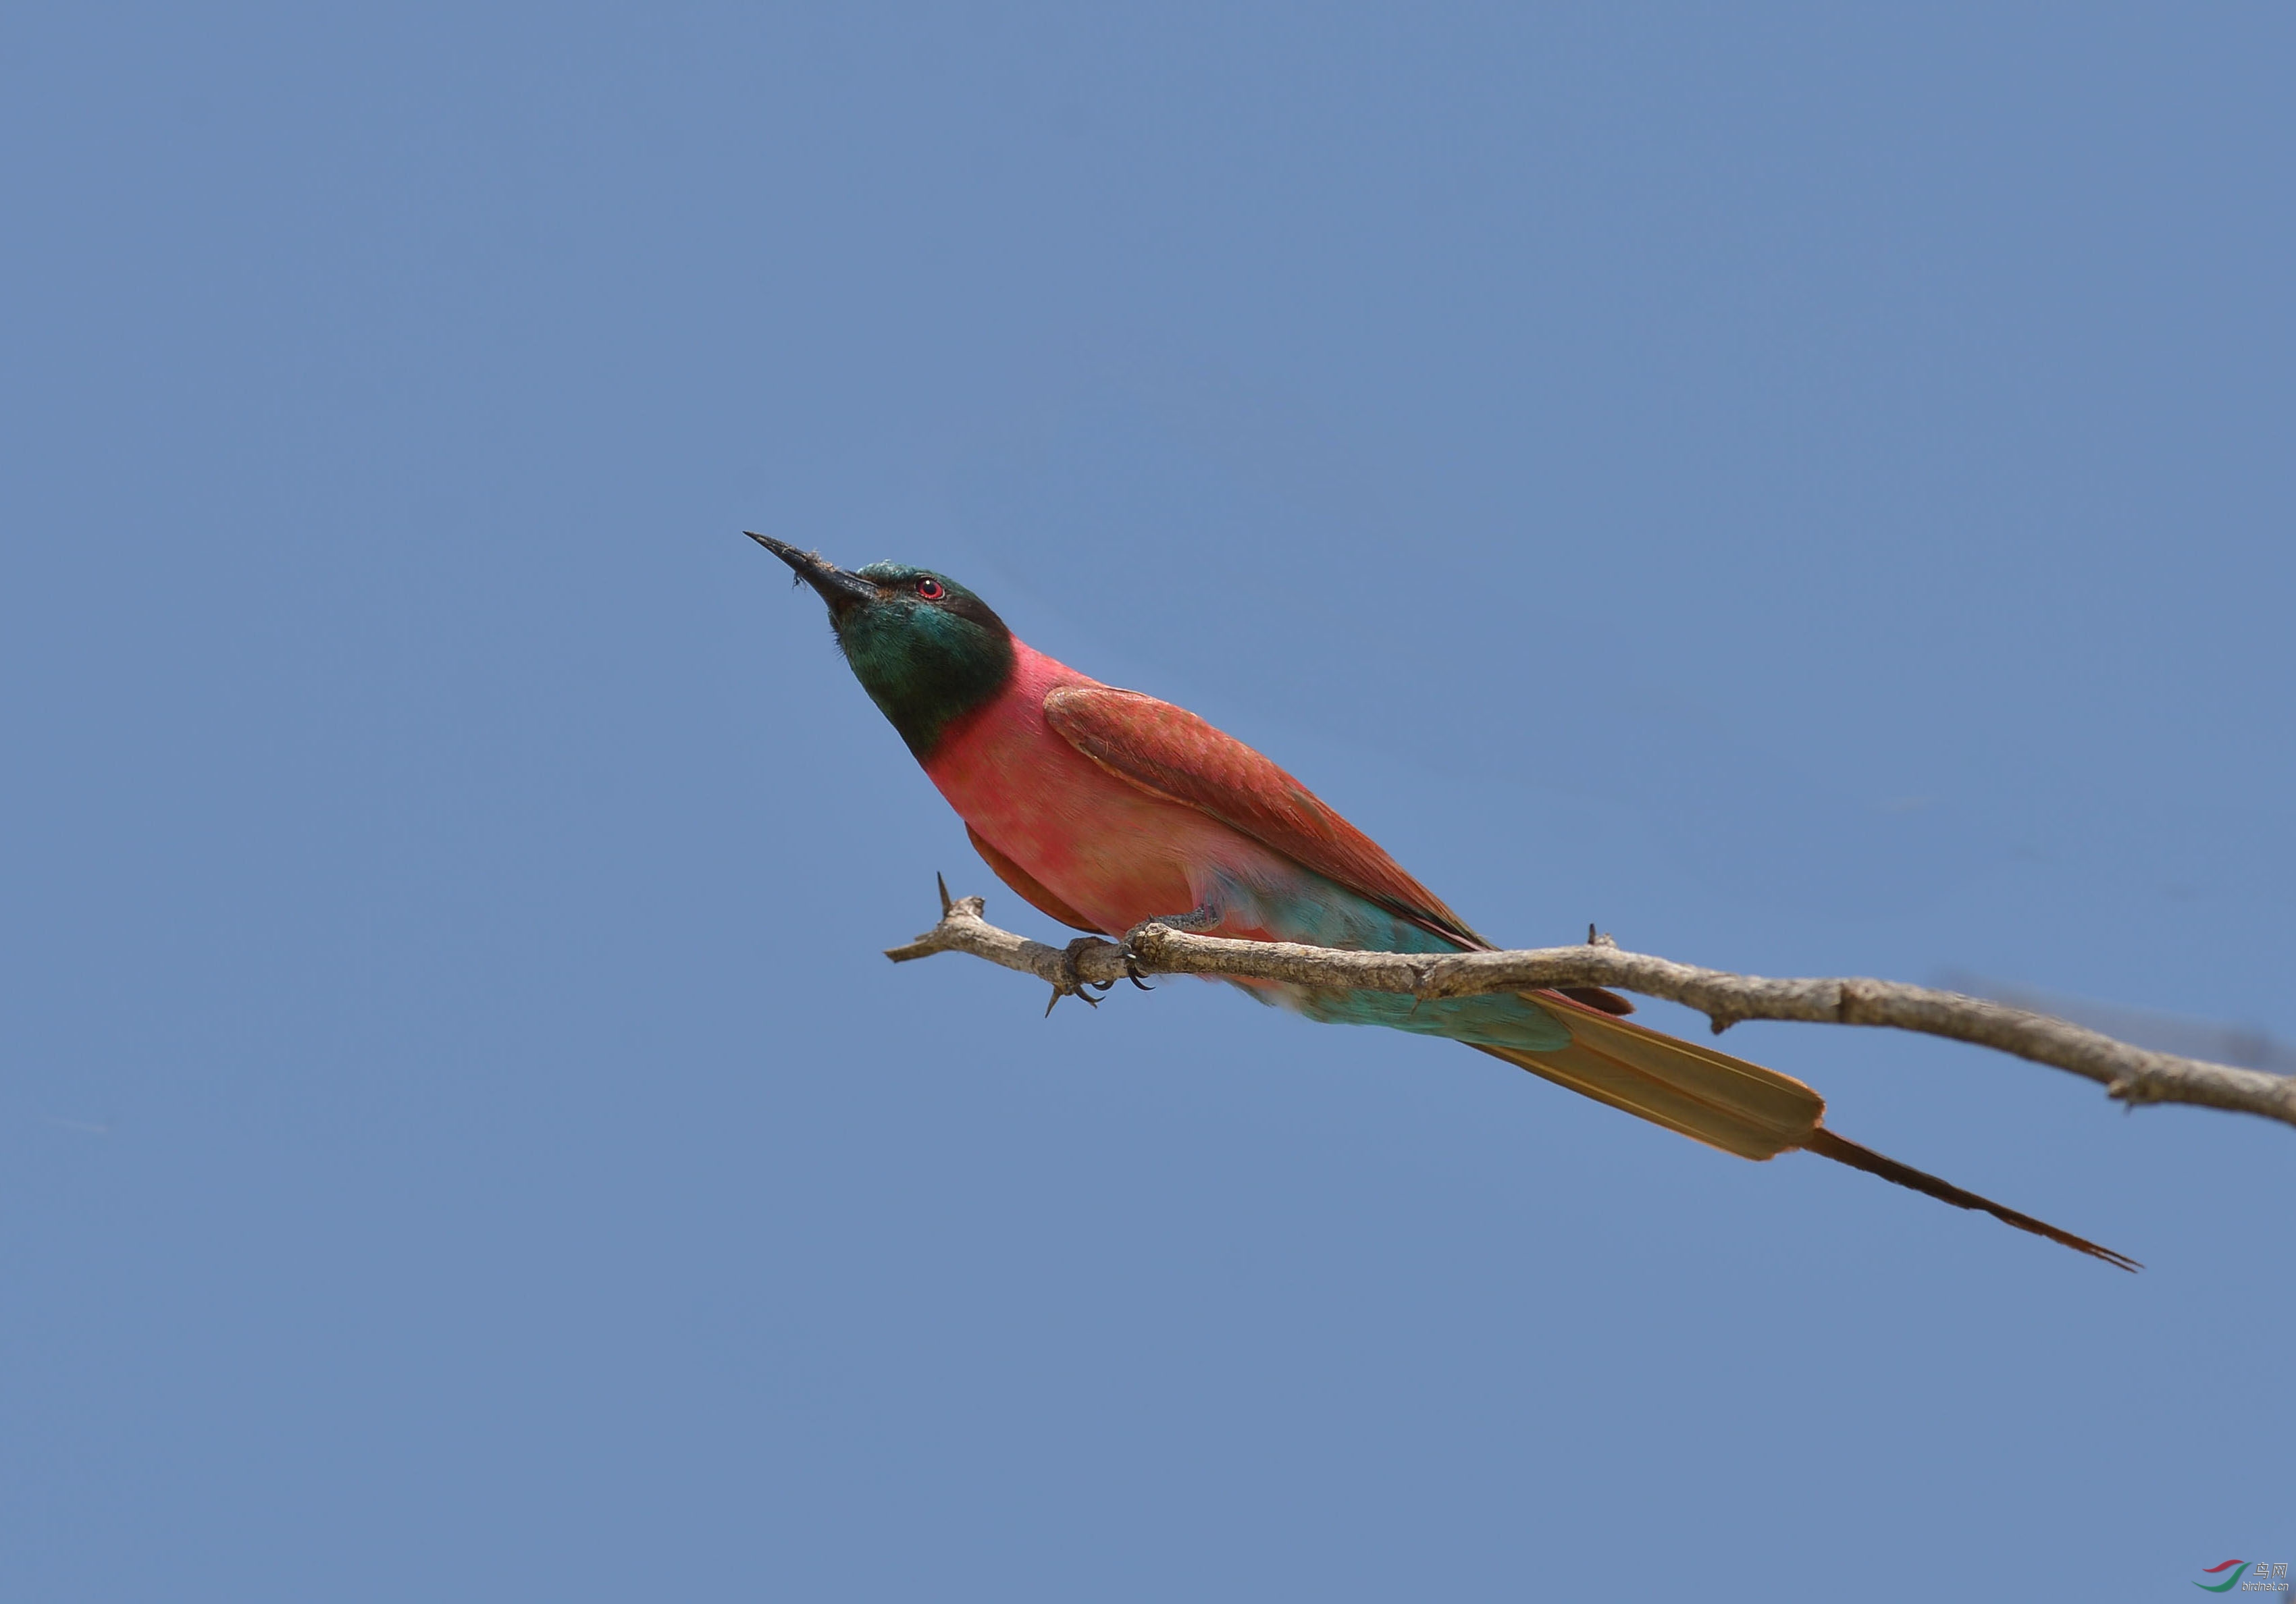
[{"x": 1169, "y": 752}]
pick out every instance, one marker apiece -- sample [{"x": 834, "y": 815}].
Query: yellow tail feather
[
  {"x": 1708, "y": 1096},
  {"x": 1731, "y": 1104}
]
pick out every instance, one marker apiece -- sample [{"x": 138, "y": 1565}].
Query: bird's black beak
[{"x": 842, "y": 591}]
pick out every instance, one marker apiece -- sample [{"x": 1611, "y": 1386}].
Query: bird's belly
[{"x": 1112, "y": 852}]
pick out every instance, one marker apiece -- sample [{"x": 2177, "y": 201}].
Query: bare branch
[{"x": 2132, "y": 1075}]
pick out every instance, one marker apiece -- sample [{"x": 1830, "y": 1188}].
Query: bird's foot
[
  {"x": 1200, "y": 918},
  {"x": 1070, "y": 985}
]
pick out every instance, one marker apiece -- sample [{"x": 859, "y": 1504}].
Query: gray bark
[{"x": 2130, "y": 1074}]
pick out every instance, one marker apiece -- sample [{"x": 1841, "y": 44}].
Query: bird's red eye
[{"x": 930, "y": 590}]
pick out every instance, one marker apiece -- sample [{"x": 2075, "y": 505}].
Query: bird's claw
[
  {"x": 1070, "y": 985},
  {"x": 1203, "y": 916},
  {"x": 1132, "y": 966}
]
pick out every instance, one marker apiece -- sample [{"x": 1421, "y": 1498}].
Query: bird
[{"x": 1106, "y": 809}]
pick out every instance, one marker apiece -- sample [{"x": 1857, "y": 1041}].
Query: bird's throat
[{"x": 926, "y": 679}]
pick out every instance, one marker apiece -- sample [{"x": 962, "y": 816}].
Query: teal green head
[{"x": 927, "y": 650}]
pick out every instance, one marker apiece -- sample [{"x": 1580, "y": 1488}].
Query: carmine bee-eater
[{"x": 1107, "y": 809}]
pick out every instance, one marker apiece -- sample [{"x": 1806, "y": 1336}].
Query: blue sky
[{"x": 1807, "y": 488}]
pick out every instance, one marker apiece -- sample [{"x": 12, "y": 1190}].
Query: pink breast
[{"x": 1112, "y": 852}]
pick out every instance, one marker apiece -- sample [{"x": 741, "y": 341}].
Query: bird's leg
[{"x": 1203, "y": 916}]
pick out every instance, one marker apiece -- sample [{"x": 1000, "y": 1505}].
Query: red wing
[{"x": 1168, "y": 752}]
